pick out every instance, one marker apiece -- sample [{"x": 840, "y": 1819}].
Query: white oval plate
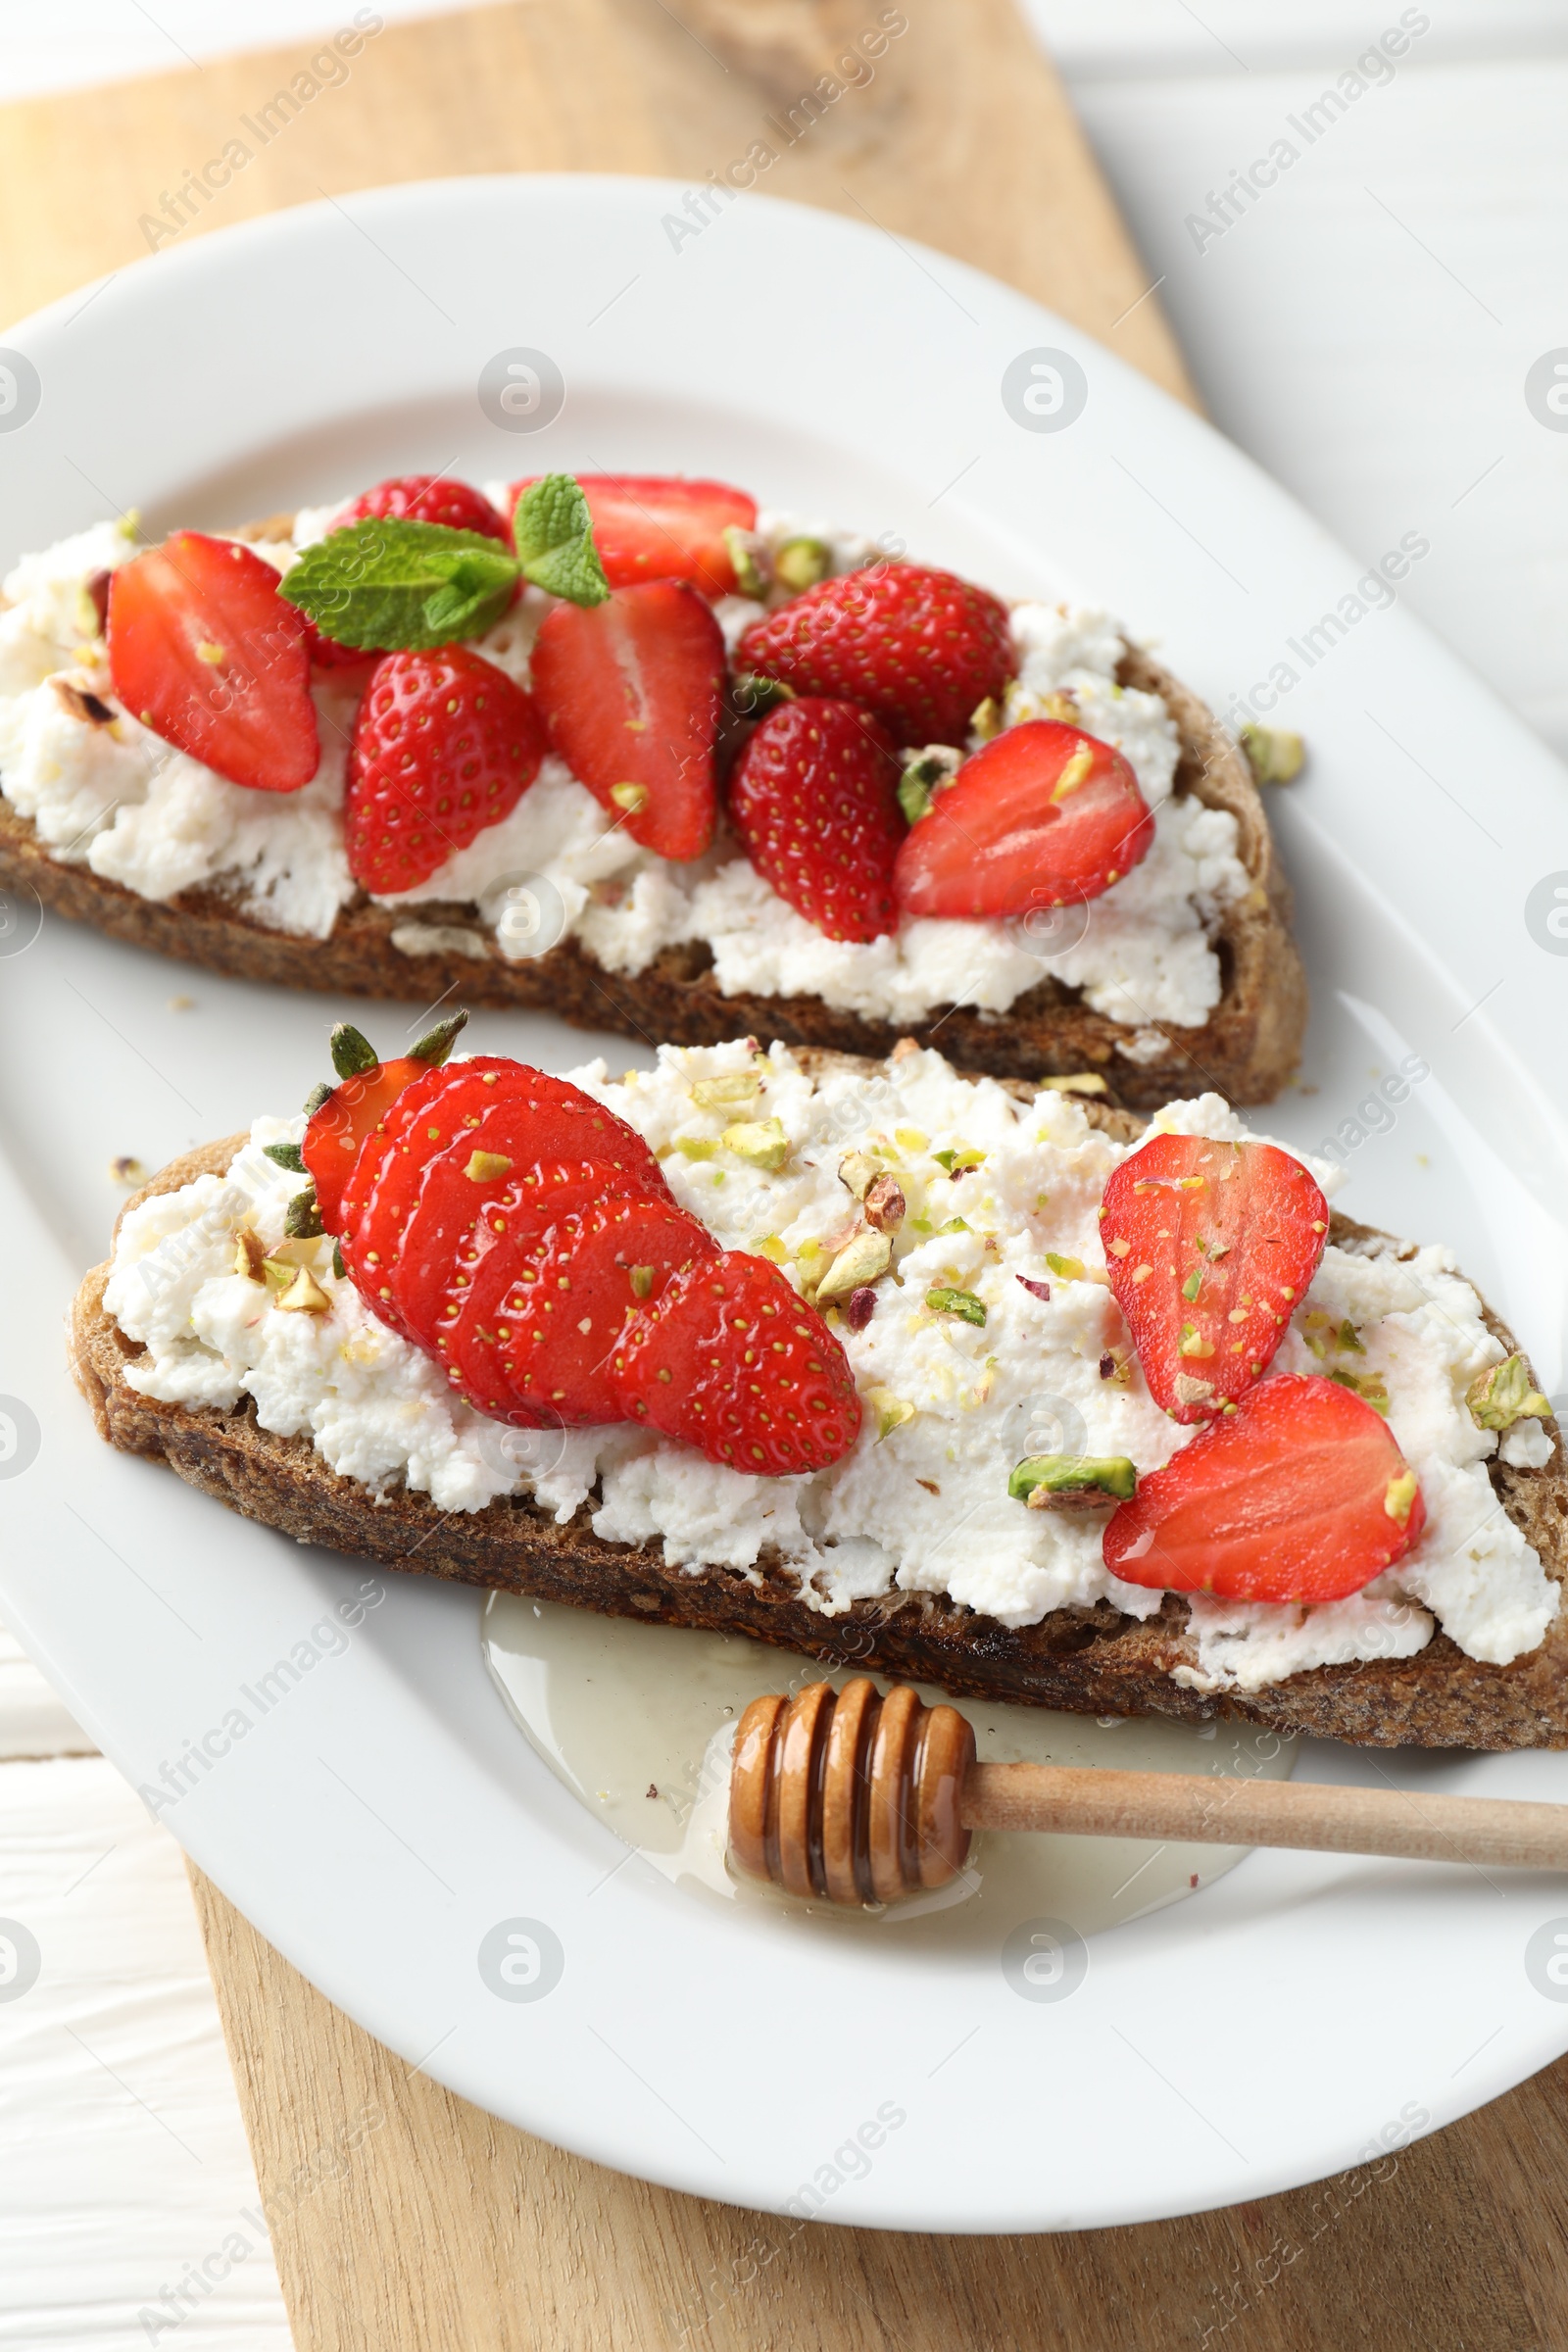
[{"x": 370, "y": 1807}]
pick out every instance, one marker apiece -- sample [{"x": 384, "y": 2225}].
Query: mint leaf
[
  {"x": 554, "y": 537},
  {"x": 388, "y": 585}
]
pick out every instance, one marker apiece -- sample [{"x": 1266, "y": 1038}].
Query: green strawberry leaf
[
  {"x": 554, "y": 541},
  {"x": 387, "y": 585}
]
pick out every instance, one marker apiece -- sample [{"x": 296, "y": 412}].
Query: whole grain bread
[
  {"x": 1087, "y": 1660},
  {"x": 1246, "y": 1050}
]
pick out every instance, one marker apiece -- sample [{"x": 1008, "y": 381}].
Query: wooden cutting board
[{"x": 403, "y": 2220}]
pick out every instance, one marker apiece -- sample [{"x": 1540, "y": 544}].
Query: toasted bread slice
[
  {"x": 1246, "y": 1050},
  {"x": 1089, "y": 1660}
]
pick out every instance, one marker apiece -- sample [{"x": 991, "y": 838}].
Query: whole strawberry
[
  {"x": 409, "y": 498},
  {"x": 445, "y": 743},
  {"x": 815, "y": 796},
  {"x": 918, "y": 647},
  {"x": 428, "y": 498}
]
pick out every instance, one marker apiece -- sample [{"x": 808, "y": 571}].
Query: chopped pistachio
[
  {"x": 891, "y": 1411},
  {"x": 1076, "y": 773},
  {"x": 695, "y": 1147},
  {"x": 984, "y": 719},
  {"x": 1349, "y": 1338},
  {"x": 1274, "y": 754},
  {"x": 1193, "y": 1342},
  {"x": 1192, "y": 1286},
  {"x": 912, "y": 1139},
  {"x": 959, "y": 1162},
  {"x": 884, "y": 1204},
  {"x": 249, "y": 1255},
  {"x": 1502, "y": 1395},
  {"x": 642, "y": 1281},
  {"x": 963, "y": 1303},
  {"x": 761, "y": 1143},
  {"x": 1076, "y": 1081},
  {"x": 630, "y": 796},
  {"x": 1069, "y": 1481},
  {"x": 925, "y": 774},
  {"x": 744, "y": 554},
  {"x": 1065, "y": 1269},
  {"x": 485, "y": 1166},
  {"x": 127, "y": 1171},
  {"x": 1398, "y": 1499},
  {"x": 278, "y": 1272},
  {"x": 732, "y": 1092},
  {"x": 1369, "y": 1385},
  {"x": 303, "y": 1296},
  {"x": 801, "y": 563},
  {"x": 856, "y": 1171},
  {"x": 864, "y": 1261},
  {"x": 771, "y": 1246}
]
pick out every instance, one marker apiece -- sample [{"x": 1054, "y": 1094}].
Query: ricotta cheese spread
[
  {"x": 920, "y": 1503},
  {"x": 114, "y": 797}
]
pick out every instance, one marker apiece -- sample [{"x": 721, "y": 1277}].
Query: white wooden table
[{"x": 1364, "y": 327}]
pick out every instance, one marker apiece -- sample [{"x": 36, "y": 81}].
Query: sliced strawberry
[
  {"x": 1299, "y": 1495},
  {"x": 445, "y": 743},
  {"x": 427, "y": 497},
  {"x": 632, "y": 694},
  {"x": 1043, "y": 816},
  {"x": 387, "y": 1174},
  {"x": 920, "y": 649},
  {"x": 340, "y": 1126},
  {"x": 203, "y": 649},
  {"x": 577, "y": 1288},
  {"x": 482, "y": 1270},
  {"x": 815, "y": 796},
  {"x": 660, "y": 526},
  {"x": 1210, "y": 1248},
  {"x": 433, "y": 1210},
  {"x": 740, "y": 1368}
]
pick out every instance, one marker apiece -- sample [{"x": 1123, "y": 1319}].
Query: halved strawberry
[
  {"x": 630, "y": 691},
  {"x": 1210, "y": 1248},
  {"x": 578, "y": 1286},
  {"x": 661, "y": 527},
  {"x": 919, "y": 648},
  {"x": 203, "y": 649},
  {"x": 427, "y": 497},
  {"x": 740, "y": 1368},
  {"x": 815, "y": 796},
  {"x": 445, "y": 743},
  {"x": 1299, "y": 1495},
  {"x": 1043, "y": 816}
]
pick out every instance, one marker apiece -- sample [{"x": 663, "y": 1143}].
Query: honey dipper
[{"x": 863, "y": 1799}]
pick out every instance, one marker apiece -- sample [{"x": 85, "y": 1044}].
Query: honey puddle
[{"x": 637, "y": 1721}]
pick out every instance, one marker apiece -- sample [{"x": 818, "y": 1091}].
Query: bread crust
[
  {"x": 1085, "y": 1660},
  {"x": 1246, "y": 1050}
]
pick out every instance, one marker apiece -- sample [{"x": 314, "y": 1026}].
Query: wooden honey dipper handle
[{"x": 860, "y": 1799}]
